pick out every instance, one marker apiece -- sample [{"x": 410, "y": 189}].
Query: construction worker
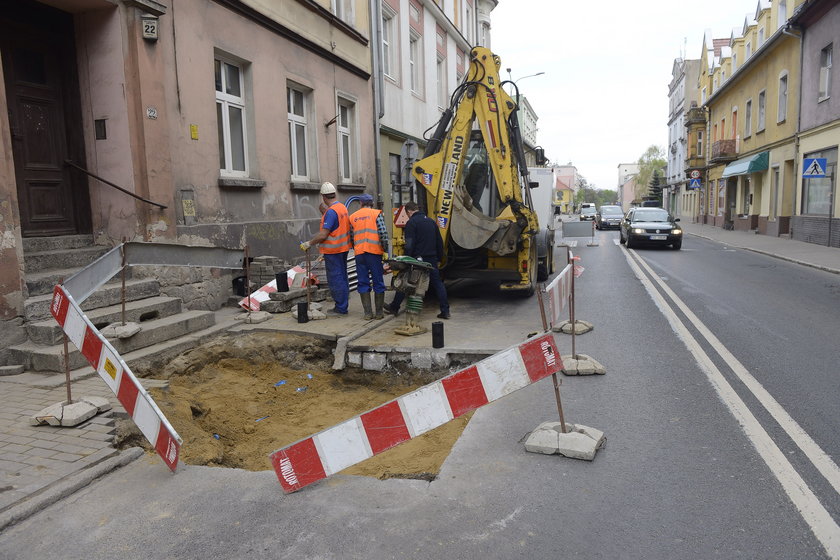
[
  {"x": 423, "y": 242},
  {"x": 370, "y": 242},
  {"x": 333, "y": 240}
]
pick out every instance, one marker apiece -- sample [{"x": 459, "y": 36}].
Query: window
[
  {"x": 298, "y": 101},
  {"x": 734, "y": 122},
  {"x": 389, "y": 43},
  {"x": 760, "y": 36},
  {"x": 816, "y": 192},
  {"x": 703, "y": 95},
  {"x": 825, "y": 73},
  {"x": 442, "y": 92},
  {"x": 762, "y": 106},
  {"x": 345, "y": 126},
  {"x": 699, "y": 143},
  {"x": 774, "y": 191},
  {"x": 415, "y": 63},
  {"x": 782, "y": 14},
  {"x": 230, "y": 118},
  {"x": 721, "y": 199},
  {"x": 468, "y": 25},
  {"x": 734, "y": 62},
  {"x": 343, "y": 10},
  {"x": 745, "y": 196},
  {"x": 748, "y": 119},
  {"x": 783, "y": 95},
  {"x": 748, "y": 49}
]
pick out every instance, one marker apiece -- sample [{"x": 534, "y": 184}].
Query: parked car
[
  {"x": 587, "y": 211},
  {"x": 653, "y": 226},
  {"x": 608, "y": 217}
]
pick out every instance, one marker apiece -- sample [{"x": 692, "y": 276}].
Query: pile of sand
[{"x": 238, "y": 398}]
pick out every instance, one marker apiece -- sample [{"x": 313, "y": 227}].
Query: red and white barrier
[
  {"x": 558, "y": 292},
  {"x": 334, "y": 449},
  {"x": 297, "y": 279},
  {"x": 116, "y": 374}
]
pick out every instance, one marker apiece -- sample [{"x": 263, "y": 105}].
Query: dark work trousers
[{"x": 336, "y": 264}]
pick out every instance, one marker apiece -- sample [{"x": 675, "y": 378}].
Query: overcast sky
[{"x": 604, "y": 96}]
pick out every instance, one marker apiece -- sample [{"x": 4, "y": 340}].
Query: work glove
[
  {"x": 385, "y": 256},
  {"x": 305, "y": 246}
]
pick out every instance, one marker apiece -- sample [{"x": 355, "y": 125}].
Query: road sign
[
  {"x": 695, "y": 174},
  {"x": 401, "y": 217},
  {"x": 813, "y": 168},
  {"x": 694, "y": 184}
]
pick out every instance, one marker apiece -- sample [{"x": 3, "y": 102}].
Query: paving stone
[
  {"x": 15, "y": 448},
  {"x": 43, "y": 443},
  {"x": 421, "y": 359},
  {"x": 68, "y": 448},
  {"x": 375, "y": 361},
  {"x": 40, "y": 452},
  {"x": 66, "y": 457},
  {"x": 354, "y": 359}
]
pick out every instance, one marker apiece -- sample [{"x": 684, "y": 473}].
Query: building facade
[
  {"x": 679, "y": 196},
  {"x": 222, "y": 117}
]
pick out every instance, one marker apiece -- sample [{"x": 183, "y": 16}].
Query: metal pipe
[{"x": 110, "y": 184}]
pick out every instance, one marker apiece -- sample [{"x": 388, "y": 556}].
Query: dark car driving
[
  {"x": 608, "y": 217},
  {"x": 650, "y": 226}
]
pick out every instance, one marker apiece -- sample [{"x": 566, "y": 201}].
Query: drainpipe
[
  {"x": 785, "y": 31},
  {"x": 378, "y": 91}
]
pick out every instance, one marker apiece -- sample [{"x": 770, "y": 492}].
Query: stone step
[
  {"x": 37, "y": 357},
  {"x": 145, "y": 362},
  {"x": 62, "y": 258},
  {"x": 38, "y": 307},
  {"x": 140, "y": 311},
  {"x": 59, "y": 243}
]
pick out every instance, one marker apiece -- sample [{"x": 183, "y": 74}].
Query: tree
[
  {"x": 656, "y": 184},
  {"x": 652, "y": 160}
]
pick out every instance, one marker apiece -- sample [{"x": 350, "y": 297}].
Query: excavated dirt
[{"x": 238, "y": 398}]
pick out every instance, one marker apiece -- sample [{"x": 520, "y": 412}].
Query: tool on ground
[{"x": 412, "y": 279}]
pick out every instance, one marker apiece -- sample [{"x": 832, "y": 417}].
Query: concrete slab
[
  {"x": 581, "y": 364},
  {"x": 581, "y": 327},
  {"x": 121, "y": 331},
  {"x": 70, "y": 414},
  {"x": 579, "y": 441},
  {"x": 255, "y": 317},
  {"x": 376, "y": 361},
  {"x": 11, "y": 370}
]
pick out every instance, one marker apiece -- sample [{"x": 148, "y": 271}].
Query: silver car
[{"x": 650, "y": 226}]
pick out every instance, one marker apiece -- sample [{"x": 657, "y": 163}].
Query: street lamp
[{"x": 514, "y": 82}]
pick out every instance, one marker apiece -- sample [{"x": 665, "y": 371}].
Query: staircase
[{"x": 167, "y": 329}]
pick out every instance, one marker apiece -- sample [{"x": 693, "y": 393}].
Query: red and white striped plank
[
  {"x": 113, "y": 370},
  {"x": 413, "y": 414},
  {"x": 296, "y": 278}
]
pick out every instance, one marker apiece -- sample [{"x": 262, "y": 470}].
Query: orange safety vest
[
  {"x": 365, "y": 232},
  {"x": 339, "y": 239}
]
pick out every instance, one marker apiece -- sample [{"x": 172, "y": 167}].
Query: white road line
[
  {"x": 820, "y": 459},
  {"x": 812, "y": 511}
]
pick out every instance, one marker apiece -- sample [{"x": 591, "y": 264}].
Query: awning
[{"x": 744, "y": 166}]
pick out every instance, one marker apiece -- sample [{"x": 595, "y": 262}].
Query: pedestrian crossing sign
[
  {"x": 813, "y": 168},
  {"x": 694, "y": 184}
]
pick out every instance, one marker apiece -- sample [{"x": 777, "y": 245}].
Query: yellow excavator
[{"x": 477, "y": 189}]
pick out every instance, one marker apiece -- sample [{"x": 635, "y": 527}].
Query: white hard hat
[{"x": 327, "y": 188}]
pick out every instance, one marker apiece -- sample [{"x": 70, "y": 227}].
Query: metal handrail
[{"x": 110, "y": 184}]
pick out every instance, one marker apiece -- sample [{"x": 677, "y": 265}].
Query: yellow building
[{"x": 748, "y": 87}]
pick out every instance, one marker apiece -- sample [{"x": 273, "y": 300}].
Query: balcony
[
  {"x": 695, "y": 162},
  {"x": 724, "y": 150},
  {"x": 695, "y": 115}
]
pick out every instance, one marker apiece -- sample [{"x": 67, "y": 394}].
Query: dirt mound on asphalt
[{"x": 240, "y": 397}]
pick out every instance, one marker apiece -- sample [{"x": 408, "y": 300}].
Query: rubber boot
[
  {"x": 366, "y": 305},
  {"x": 379, "y": 300}
]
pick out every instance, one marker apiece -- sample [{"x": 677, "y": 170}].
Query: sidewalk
[
  {"x": 799, "y": 252},
  {"x": 40, "y": 465}
]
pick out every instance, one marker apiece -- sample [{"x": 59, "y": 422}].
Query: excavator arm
[{"x": 508, "y": 230}]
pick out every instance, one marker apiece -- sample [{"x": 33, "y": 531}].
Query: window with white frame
[
  {"x": 748, "y": 119},
  {"x": 748, "y": 49},
  {"x": 825, "y": 73},
  {"x": 415, "y": 62},
  {"x": 298, "y": 99},
  {"x": 734, "y": 62},
  {"x": 468, "y": 25},
  {"x": 442, "y": 91},
  {"x": 230, "y": 118},
  {"x": 760, "y": 36},
  {"x": 345, "y": 127},
  {"x": 389, "y": 42},
  {"x": 783, "y": 97},
  {"x": 782, "y": 13},
  {"x": 703, "y": 95},
  {"x": 699, "y": 143},
  {"x": 343, "y": 10},
  {"x": 762, "y": 110}
]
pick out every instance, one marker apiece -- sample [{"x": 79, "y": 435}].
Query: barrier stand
[
  {"x": 252, "y": 317},
  {"x": 122, "y": 329},
  {"x": 577, "y": 364},
  {"x": 313, "y": 309},
  {"x": 575, "y": 441}
]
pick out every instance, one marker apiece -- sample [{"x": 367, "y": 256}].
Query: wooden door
[{"x": 39, "y": 78}]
